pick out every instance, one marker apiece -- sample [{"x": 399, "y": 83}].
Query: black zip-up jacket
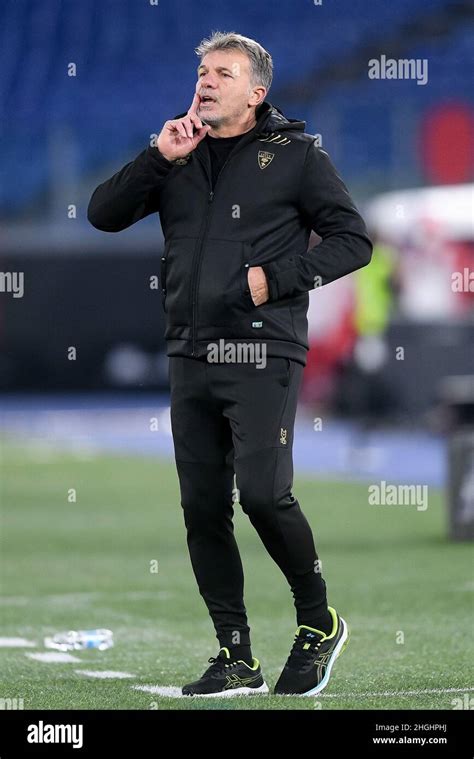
[{"x": 275, "y": 187}]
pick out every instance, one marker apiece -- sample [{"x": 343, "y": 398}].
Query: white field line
[
  {"x": 16, "y": 643},
  {"x": 104, "y": 673},
  {"x": 172, "y": 691},
  {"x": 168, "y": 691},
  {"x": 393, "y": 693},
  {"x": 53, "y": 657}
]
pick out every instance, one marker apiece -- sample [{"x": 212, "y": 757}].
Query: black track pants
[{"x": 239, "y": 418}]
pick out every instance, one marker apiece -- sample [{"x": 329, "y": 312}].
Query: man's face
[{"x": 224, "y": 87}]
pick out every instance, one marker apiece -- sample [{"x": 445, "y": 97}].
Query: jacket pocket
[
  {"x": 175, "y": 270},
  {"x": 224, "y": 294}
]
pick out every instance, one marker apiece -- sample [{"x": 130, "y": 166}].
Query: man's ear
[{"x": 257, "y": 96}]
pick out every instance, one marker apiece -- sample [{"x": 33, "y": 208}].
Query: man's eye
[{"x": 228, "y": 75}]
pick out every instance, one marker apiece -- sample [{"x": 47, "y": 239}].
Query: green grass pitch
[{"x": 390, "y": 571}]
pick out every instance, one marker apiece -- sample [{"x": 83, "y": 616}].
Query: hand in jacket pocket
[{"x": 258, "y": 285}]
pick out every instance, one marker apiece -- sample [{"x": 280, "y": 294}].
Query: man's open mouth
[{"x": 207, "y": 99}]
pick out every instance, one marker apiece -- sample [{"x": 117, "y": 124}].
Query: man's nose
[{"x": 207, "y": 82}]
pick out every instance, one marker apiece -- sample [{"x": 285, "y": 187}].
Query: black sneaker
[
  {"x": 312, "y": 657},
  {"x": 227, "y": 677}
]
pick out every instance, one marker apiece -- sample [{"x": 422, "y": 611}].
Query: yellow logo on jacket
[{"x": 265, "y": 158}]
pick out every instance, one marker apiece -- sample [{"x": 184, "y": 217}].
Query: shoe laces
[
  {"x": 218, "y": 663},
  {"x": 303, "y": 650}
]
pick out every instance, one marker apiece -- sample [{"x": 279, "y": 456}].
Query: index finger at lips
[{"x": 195, "y": 104}]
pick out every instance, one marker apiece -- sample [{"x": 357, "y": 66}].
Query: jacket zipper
[
  {"x": 197, "y": 261},
  {"x": 194, "y": 273}
]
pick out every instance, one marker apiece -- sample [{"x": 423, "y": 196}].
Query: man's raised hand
[{"x": 178, "y": 138}]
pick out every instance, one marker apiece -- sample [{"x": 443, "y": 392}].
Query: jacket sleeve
[
  {"x": 131, "y": 194},
  {"x": 326, "y": 204}
]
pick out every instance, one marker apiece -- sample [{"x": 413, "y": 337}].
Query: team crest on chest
[{"x": 265, "y": 158}]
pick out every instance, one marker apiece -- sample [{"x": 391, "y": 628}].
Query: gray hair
[{"x": 261, "y": 64}]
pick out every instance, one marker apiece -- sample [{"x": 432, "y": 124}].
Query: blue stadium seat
[{"x": 129, "y": 77}]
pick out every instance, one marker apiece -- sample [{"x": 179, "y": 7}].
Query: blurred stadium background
[{"x": 88, "y": 487}]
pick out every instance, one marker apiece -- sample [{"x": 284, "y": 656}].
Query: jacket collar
[{"x": 269, "y": 120}]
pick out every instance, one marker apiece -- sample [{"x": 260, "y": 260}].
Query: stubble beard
[
  {"x": 213, "y": 121},
  {"x": 216, "y": 122}
]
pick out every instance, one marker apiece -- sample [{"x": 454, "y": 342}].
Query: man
[{"x": 239, "y": 188}]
